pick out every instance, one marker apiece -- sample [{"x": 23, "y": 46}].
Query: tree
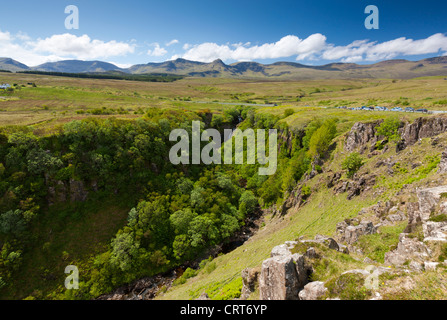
[
  {"x": 124, "y": 250},
  {"x": 181, "y": 220},
  {"x": 352, "y": 164},
  {"x": 322, "y": 138},
  {"x": 389, "y": 128},
  {"x": 12, "y": 222},
  {"x": 248, "y": 202}
]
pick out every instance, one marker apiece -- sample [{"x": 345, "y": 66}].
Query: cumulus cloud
[
  {"x": 59, "y": 47},
  {"x": 157, "y": 51},
  {"x": 287, "y": 46},
  {"x": 365, "y": 50},
  {"x": 315, "y": 47},
  {"x": 172, "y": 42},
  {"x": 81, "y": 47}
]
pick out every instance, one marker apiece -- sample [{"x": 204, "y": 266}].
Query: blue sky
[{"x": 308, "y": 32}]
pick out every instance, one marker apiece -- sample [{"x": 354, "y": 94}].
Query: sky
[{"x": 138, "y": 32}]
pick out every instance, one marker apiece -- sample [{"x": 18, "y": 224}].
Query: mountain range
[{"x": 391, "y": 69}]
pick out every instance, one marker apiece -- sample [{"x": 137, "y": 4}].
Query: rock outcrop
[
  {"x": 423, "y": 128},
  {"x": 313, "y": 291},
  {"x": 351, "y": 230},
  {"x": 279, "y": 278},
  {"x": 408, "y": 250},
  {"x": 411, "y": 249},
  {"x": 361, "y": 134},
  {"x": 283, "y": 275}
]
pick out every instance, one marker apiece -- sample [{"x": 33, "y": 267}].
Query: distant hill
[
  {"x": 399, "y": 69},
  {"x": 77, "y": 66},
  {"x": 390, "y": 69},
  {"x": 12, "y": 65}
]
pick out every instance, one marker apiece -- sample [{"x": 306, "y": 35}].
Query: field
[
  {"x": 80, "y": 233},
  {"x": 57, "y": 100}
]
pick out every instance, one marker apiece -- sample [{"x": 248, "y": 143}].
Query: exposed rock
[
  {"x": 429, "y": 199},
  {"x": 279, "y": 279},
  {"x": 333, "y": 179},
  {"x": 249, "y": 282},
  {"x": 408, "y": 249},
  {"x": 430, "y": 266},
  {"x": 313, "y": 291},
  {"x": 443, "y": 163},
  {"x": 77, "y": 191},
  {"x": 350, "y": 233},
  {"x": 203, "y": 296},
  {"x": 423, "y": 128},
  {"x": 435, "y": 231},
  {"x": 361, "y": 134},
  {"x": 58, "y": 193}
]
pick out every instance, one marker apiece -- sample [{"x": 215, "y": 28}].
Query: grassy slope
[{"x": 320, "y": 215}]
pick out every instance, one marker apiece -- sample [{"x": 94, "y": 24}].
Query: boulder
[
  {"x": 313, "y": 291},
  {"x": 279, "y": 279}
]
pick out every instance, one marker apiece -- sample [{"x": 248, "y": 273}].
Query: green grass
[{"x": 374, "y": 246}]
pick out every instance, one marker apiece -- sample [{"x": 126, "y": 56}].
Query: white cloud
[
  {"x": 59, "y": 47},
  {"x": 82, "y": 47},
  {"x": 5, "y": 37},
  {"x": 365, "y": 50},
  {"x": 172, "y": 42},
  {"x": 157, "y": 51},
  {"x": 287, "y": 46},
  {"x": 315, "y": 47}
]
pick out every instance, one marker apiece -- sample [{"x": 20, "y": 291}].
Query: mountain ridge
[{"x": 281, "y": 70}]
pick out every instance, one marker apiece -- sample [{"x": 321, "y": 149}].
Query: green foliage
[
  {"x": 349, "y": 286},
  {"x": 322, "y": 138},
  {"x": 288, "y": 112},
  {"x": 225, "y": 291},
  {"x": 306, "y": 191},
  {"x": 389, "y": 129},
  {"x": 187, "y": 274},
  {"x": 439, "y": 218},
  {"x": 248, "y": 203},
  {"x": 12, "y": 222},
  {"x": 352, "y": 164}
]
